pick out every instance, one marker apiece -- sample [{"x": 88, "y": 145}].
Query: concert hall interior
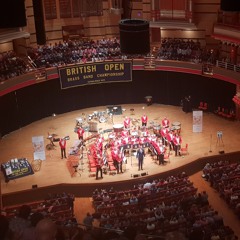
[{"x": 122, "y": 101}]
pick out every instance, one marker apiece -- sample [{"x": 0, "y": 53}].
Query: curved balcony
[{"x": 222, "y": 71}]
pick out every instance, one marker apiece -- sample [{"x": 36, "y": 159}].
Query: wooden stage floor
[{"x": 54, "y": 170}]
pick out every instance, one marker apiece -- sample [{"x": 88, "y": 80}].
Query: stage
[{"x": 54, "y": 170}]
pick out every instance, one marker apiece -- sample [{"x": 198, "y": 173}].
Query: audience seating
[
  {"x": 225, "y": 177},
  {"x": 56, "y": 207},
  {"x": 175, "y": 197}
]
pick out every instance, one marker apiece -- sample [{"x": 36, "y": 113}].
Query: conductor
[{"x": 140, "y": 156}]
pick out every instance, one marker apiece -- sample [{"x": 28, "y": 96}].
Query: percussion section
[
  {"x": 118, "y": 128},
  {"x": 176, "y": 127}
]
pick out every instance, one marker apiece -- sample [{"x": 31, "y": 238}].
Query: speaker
[
  {"x": 13, "y": 14},
  {"x": 143, "y": 174},
  {"x": 135, "y": 175},
  {"x": 221, "y": 152},
  {"x": 39, "y": 22},
  {"x": 230, "y": 5},
  {"x": 134, "y": 36},
  {"x": 34, "y": 186}
]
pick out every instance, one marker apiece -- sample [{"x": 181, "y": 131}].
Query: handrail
[{"x": 228, "y": 66}]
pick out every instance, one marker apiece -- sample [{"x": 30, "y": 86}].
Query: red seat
[
  {"x": 167, "y": 157},
  {"x": 205, "y": 107},
  {"x": 200, "y": 106},
  {"x": 184, "y": 150}
]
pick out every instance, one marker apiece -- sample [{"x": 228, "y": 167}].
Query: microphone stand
[{"x": 210, "y": 150}]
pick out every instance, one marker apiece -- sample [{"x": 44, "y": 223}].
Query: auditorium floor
[{"x": 54, "y": 171}]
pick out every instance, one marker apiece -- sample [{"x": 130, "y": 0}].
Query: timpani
[
  {"x": 117, "y": 128},
  {"x": 177, "y": 127}
]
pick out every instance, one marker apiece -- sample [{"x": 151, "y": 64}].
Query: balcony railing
[{"x": 228, "y": 66}]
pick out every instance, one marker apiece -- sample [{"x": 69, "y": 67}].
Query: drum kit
[{"x": 101, "y": 116}]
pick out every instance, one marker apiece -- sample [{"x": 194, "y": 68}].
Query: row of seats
[
  {"x": 225, "y": 113},
  {"x": 58, "y": 207},
  {"x": 225, "y": 178},
  {"x": 176, "y": 206}
]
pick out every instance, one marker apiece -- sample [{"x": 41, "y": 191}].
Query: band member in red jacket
[
  {"x": 114, "y": 154},
  {"x": 80, "y": 133},
  {"x": 62, "y": 144},
  {"x": 119, "y": 162},
  {"x": 164, "y": 132},
  {"x": 177, "y": 141},
  {"x": 127, "y": 123},
  {"x": 99, "y": 165},
  {"x": 169, "y": 138},
  {"x": 144, "y": 119},
  {"x": 160, "y": 148},
  {"x": 165, "y": 122}
]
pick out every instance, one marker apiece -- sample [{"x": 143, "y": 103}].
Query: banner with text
[
  {"x": 95, "y": 73},
  {"x": 197, "y": 121},
  {"x": 38, "y": 148}
]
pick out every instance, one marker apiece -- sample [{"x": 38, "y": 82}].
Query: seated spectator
[
  {"x": 88, "y": 221},
  {"x": 150, "y": 226},
  {"x": 46, "y": 229},
  {"x": 4, "y": 228},
  {"x": 19, "y": 223},
  {"x": 29, "y": 233}
]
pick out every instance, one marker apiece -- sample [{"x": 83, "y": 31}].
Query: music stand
[{"x": 75, "y": 171}]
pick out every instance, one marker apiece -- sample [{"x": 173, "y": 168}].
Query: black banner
[
  {"x": 95, "y": 73},
  {"x": 16, "y": 168}
]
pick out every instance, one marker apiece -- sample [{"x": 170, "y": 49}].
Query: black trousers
[
  {"x": 160, "y": 158},
  {"x": 140, "y": 164},
  {"x": 63, "y": 152}
]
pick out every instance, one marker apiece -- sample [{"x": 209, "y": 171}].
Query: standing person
[
  {"x": 140, "y": 156},
  {"x": 62, "y": 144},
  {"x": 177, "y": 140},
  {"x": 80, "y": 133},
  {"x": 165, "y": 122},
  {"x": 163, "y": 133},
  {"x": 99, "y": 164},
  {"x": 115, "y": 153},
  {"x": 127, "y": 123},
  {"x": 160, "y": 153},
  {"x": 170, "y": 139},
  {"x": 119, "y": 160},
  {"x": 189, "y": 104},
  {"x": 144, "y": 119}
]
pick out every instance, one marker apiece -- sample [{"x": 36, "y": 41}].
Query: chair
[
  {"x": 112, "y": 170},
  {"x": 200, "y": 106},
  {"x": 184, "y": 150},
  {"x": 166, "y": 157},
  {"x": 221, "y": 112},
  {"x": 205, "y": 107}
]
